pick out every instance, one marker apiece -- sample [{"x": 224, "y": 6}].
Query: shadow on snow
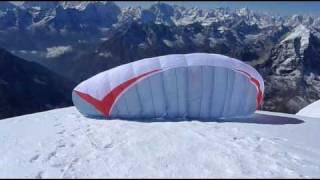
[{"x": 254, "y": 119}]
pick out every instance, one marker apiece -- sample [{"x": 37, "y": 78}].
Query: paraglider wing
[{"x": 197, "y": 85}]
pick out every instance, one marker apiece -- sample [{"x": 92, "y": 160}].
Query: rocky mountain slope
[
  {"x": 80, "y": 39},
  {"x": 292, "y": 78},
  {"x": 27, "y": 87}
]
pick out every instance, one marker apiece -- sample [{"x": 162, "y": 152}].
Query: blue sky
[{"x": 277, "y": 7}]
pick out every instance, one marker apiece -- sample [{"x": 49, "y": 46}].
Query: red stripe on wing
[
  {"x": 107, "y": 102},
  {"x": 255, "y": 82}
]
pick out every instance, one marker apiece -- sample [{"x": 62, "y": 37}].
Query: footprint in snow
[
  {"x": 39, "y": 175},
  {"x": 61, "y": 132},
  {"x": 56, "y": 125},
  {"x": 110, "y": 145},
  {"x": 61, "y": 146},
  {"x": 235, "y": 138},
  {"x": 51, "y": 155},
  {"x": 71, "y": 145},
  {"x": 34, "y": 158},
  {"x": 258, "y": 138}
]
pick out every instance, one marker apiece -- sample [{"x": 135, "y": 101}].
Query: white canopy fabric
[{"x": 197, "y": 85}]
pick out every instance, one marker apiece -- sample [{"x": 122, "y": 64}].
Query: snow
[
  {"x": 168, "y": 43},
  {"x": 312, "y": 110},
  {"x": 222, "y": 29},
  {"x": 105, "y": 54},
  {"x": 56, "y": 51},
  {"x": 63, "y": 144},
  {"x": 302, "y": 32},
  {"x": 198, "y": 39},
  {"x": 75, "y": 5}
]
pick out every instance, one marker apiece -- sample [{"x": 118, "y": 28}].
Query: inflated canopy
[{"x": 197, "y": 86}]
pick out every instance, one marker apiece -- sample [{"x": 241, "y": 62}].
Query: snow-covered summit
[
  {"x": 39, "y": 5},
  {"x": 299, "y": 32},
  {"x": 312, "y": 110},
  {"x": 82, "y": 5},
  {"x": 165, "y": 13},
  {"x": 63, "y": 144}
]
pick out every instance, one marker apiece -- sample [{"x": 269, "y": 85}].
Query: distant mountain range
[{"x": 79, "y": 39}]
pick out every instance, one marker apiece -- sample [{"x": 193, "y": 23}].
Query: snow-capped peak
[
  {"x": 244, "y": 11},
  {"x": 79, "y": 5},
  {"x": 299, "y": 32},
  {"x": 74, "y": 5},
  {"x": 40, "y": 5}
]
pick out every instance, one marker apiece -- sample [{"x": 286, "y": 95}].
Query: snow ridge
[
  {"x": 312, "y": 110},
  {"x": 299, "y": 32}
]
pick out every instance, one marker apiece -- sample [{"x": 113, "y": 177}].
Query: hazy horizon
[{"x": 283, "y": 8}]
